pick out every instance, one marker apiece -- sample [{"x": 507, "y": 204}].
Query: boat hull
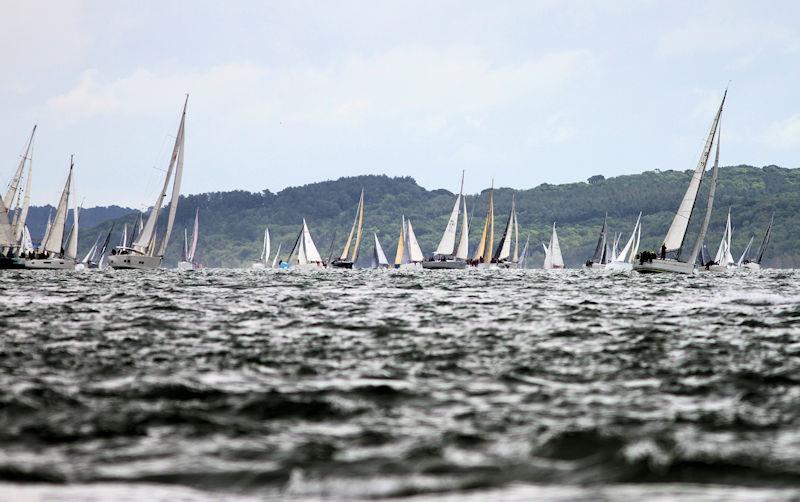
[
  {"x": 751, "y": 266},
  {"x": 186, "y": 265},
  {"x": 11, "y": 262},
  {"x": 444, "y": 265},
  {"x": 132, "y": 261},
  {"x": 341, "y": 264},
  {"x": 664, "y": 266},
  {"x": 50, "y": 264}
]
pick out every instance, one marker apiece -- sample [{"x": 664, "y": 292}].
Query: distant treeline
[{"x": 232, "y": 223}]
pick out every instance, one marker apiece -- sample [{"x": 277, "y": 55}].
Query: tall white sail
[
  {"x": 47, "y": 228},
  {"x": 556, "y": 260},
  {"x": 677, "y": 230},
  {"x": 55, "y": 236},
  {"x": 277, "y": 255},
  {"x": 515, "y": 255},
  {"x": 378, "y": 256},
  {"x": 746, "y": 250},
  {"x": 123, "y": 242},
  {"x": 265, "y": 251},
  {"x": 195, "y": 231},
  {"x": 548, "y": 260},
  {"x": 146, "y": 237},
  {"x": 447, "y": 245},
  {"x": 310, "y": 252},
  {"x": 622, "y": 256},
  {"x": 13, "y": 185},
  {"x": 710, "y": 202},
  {"x": 412, "y": 246},
  {"x": 722, "y": 250},
  {"x": 26, "y": 202},
  {"x": 635, "y": 249},
  {"x": 27, "y": 242},
  {"x": 72, "y": 246},
  {"x": 176, "y": 184},
  {"x": 503, "y": 251},
  {"x": 462, "y": 253}
]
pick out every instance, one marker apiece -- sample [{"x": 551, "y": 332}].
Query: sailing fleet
[{"x": 145, "y": 247}]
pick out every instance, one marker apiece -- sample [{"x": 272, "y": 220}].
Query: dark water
[{"x": 515, "y": 385}]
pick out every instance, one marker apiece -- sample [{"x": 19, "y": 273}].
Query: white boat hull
[
  {"x": 134, "y": 261},
  {"x": 50, "y": 264},
  {"x": 444, "y": 265},
  {"x": 664, "y": 266}
]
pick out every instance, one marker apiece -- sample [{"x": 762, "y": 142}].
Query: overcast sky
[{"x": 292, "y": 92}]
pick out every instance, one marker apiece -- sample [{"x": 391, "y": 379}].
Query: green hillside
[{"x": 232, "y": 223}]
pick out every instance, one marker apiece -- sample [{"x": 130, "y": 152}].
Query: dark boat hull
[{"x": 341, "y": 264}]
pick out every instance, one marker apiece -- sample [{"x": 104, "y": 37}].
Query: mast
[{"x": 677, "y": 230}]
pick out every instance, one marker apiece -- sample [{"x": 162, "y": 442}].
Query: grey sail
[
  {"x": 765, "y": 242},
  {"x": 600, "y": 249},
  {"x": 710, "y": 203}
]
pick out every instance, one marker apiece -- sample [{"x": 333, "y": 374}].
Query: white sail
[
  {"x": 635, "y": 249},
  {"x": 26, "y": 202},
  {"x": 92, "y": 251},
  {"x": 277, "y": 254},
  {"x": 677, "y": 230},
  {"x": 548, "y": 260},
  {"x": 195, "y": 232},
  {"x": 27, "y": 242},
  {"x": 515, "y": 254},
  {"x": 412, "y": 246},
  {"x": 124, "y": 240},
  {"x": 378, "y": 256},
  {"x": 447, "y": 245},
  {"x": 462, "y": 253},
  {"x": 176, "y": 184},
  {"x": 622, "y": 256},
  {"x": 72, "y": 246},
  {"x": 6, "y": 232},
  {"x": 265, "y": 251},
  {"x": 55, "y": 236},
  {"x": 524, "y": 253},
  {"x": 13, "y": 185},
  {"x": 309, "y": 249},
  {"x": 47, "y": 228},
  {"x": 744, "y": 253},
  {"x": 146, "y": 236},
  {"x": 722, "y": 250},
  {"x": 556, "y": 260},
  {"x": 503, "y": 251}
]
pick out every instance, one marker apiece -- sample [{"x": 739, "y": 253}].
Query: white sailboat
[
  {"x": 673, "y": 242},
  {"x": 755, "y": 264},
  {"x": 358, "y": 224},
  {"x": 524, "y": 253},
  {"x": 188, "y": 262},
  {"x": 143, "y": 253},
  {"x": 552, "y": 253},
  {"x": 723, "y": 260},
  {"x": 305, "y": 255},
  {"x": 450, "y": 255},
  {"x": 412, "y": 254},
  {"x": 625, "y": 259},
  {"x": 263, "y": 260},
  {"x": 52, "y": 254},
  {"x": 507, "y": 253},
  {"x": 378, "y": 256}
]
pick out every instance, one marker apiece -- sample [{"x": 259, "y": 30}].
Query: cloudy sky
[{"x": 286, "y": 93}]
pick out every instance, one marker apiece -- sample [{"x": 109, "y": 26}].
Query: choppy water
[{"x": 568, "y": 386}]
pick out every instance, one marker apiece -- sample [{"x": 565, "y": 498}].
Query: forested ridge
[{"x": 232, "y": 223}]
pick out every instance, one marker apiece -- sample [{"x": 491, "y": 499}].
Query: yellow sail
[
  {"x": 354, "y": 256},
  {"x": 482, "y": 242},
  {"x": 398, "y": 256},
  {"x": 487, "y": 252}
]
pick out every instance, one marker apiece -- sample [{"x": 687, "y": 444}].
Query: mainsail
[
  {"x": 146, "y": 238},
  {"x": 277, "y": 254},
  {"x": 356, "y": 229},
  {"x": 13, "y": 185},
  {"x": 265, "y": 250},
  {"x": 447, "y": 245},
  {"x": 462, "y": 253},
  {"x": 484, "y": 251},
  {"x": 401, "y": 247},
  {"x": 600, "y": 255},
  {"x": 72, "y": 246},
  {"x": 710, "y": 203},
  {"x": 55, "y": 236},
  {"x": 307, "y": 252},
  {"x": 195, "y": 231},
  {"x": 677, "y": 230},
  {"x": 763, "y": 248},
  {"x": 723, "y": 251},
  {"x": 553, "y": 258},
  {"x": 503, "y": 251},
  {"x": 630, "y": 246},
  {"x": 746, "y": 251},
  {"x": 412, "y": 246}
]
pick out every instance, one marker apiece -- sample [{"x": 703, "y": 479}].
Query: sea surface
[{"x": 449, "y": 385}]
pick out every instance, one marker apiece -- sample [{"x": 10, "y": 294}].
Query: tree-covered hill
[{"x": 232, "y": 223}]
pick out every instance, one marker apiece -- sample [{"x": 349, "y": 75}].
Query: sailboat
[
  {"x": 756, "y": 263},
  {"x": 52, "y": 254},
  {"x": 188, "y": 262},
  {"x": 378, "y": 256},
  {"x": 408, "y": 254},
  {"x": 483, "y": 254},
  {"x": 746, "y": 252},
  {"x": 358, "y": 225},
  {"x": 524, "y": 253},
  {"x": 552, "y": 253},
  {"x": 625, "y": 259},
  {"x": 12, "y": 229},
  {"x": 602, "y": 252},
  {"x": 447, "y": 255},
  {"x": 723, "y": 260},
  {"x": 263, "y": 260},
  {"x": 143, "y": 253},
  {"x": 673, "y": 242},
  {"x": 304, "y": 254},
  {"x": 507, "y": 253}
]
